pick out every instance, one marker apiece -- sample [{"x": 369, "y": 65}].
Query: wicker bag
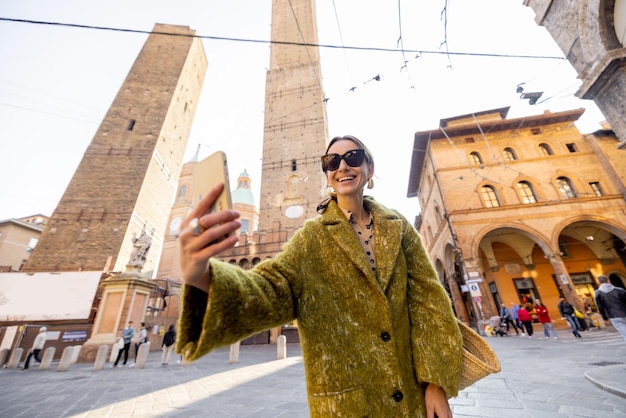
[{"x": 479, "y": 359}]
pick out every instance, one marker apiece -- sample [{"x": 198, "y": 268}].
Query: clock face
[
  {"x": 175, "y": 225},
  {"x": 294, "y": 211}
]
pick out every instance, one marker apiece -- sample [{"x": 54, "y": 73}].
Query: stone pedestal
[{"x": 125, "y": 298}]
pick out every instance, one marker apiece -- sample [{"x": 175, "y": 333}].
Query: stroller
[{"x": 498, "y": 325}]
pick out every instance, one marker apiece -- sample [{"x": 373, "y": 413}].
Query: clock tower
[{"x": 295, "y": 132}]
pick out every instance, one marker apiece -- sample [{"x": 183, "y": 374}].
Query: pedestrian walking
[
  {"x": 611, "y": 303},
  {"x": 568, "y": 312},
  {"x": 544, "y": 319},
  {"x": 127, "y": 336},
  {"x": 526, "y": 319},
  {"x": 35, "y": 349},
  {"x": 515, "y": 314},
  {"x": 169, "y": 338},
  {"x": 505, "y": 315},
  {"x": 379, "y": 337}
]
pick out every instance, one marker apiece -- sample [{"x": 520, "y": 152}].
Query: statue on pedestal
[{"x": 141, "y": 245}]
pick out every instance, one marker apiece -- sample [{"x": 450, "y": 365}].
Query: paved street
[{"x": 539, "y": 378}]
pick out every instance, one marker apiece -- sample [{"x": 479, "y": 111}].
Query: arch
[
  {"x": 506, "y": 229},
  {"x": 589, "y": 220}
]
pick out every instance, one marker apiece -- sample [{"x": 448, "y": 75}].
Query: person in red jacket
[
  {"x": 526, "y": 319},
  {"x": 544, "y": 319}
]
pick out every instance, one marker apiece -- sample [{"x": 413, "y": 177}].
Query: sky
[{"x": 389, "y": 69}]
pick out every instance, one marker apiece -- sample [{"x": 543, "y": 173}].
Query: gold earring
[
  {"x": 331, "y": 192},
  {"x": 370, "y": 183}
]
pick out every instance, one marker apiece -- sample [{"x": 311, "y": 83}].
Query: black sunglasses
[{"x": 354, "y": 158}]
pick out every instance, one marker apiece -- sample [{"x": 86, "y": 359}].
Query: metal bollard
[
  {"x": 75, "y": 354},
  {"x": 281, "y": 347},
  {"x": 101, "y": 357},
  {"x": 66, "y": 359},
  {"x": 48, "y": 356},
  {"x": 14, "y": 359},
  {"x": 234, "y": 352},
  {"x": 142, "y": 355},
  {"x": 4, "y": 355}
]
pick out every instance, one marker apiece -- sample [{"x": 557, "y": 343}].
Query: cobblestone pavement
[{"x": 567, "y": 377}]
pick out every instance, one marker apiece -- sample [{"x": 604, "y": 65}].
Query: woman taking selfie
[{"x": 377, "y": 330}]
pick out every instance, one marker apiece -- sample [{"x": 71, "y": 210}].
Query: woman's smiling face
[{"x": 346, "y": 180}]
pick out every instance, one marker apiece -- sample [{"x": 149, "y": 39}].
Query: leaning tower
[
  {"x": 295, "y": 129},
  {"x": 125, "y": 184}
]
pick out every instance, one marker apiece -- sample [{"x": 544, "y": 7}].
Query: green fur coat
[{"x": 370, "y": 344}]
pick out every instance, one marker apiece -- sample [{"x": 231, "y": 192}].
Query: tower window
[
  {"x": 131, "y": 124},
  {"x": 469, "y": 140},
  {"x": 294, "y": 165},
  {"x": 571, "y": 147}
]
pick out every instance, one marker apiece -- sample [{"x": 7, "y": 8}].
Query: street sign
[{"x": 475, "y": 290}]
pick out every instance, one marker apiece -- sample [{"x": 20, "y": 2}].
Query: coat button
[
  {"x": 398, "y": 396},
  {"x": 385, "y": 336}
]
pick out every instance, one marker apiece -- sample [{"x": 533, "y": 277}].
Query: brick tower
[
  {"x": 126, "y": 181},
  {"x": 295, "y": 133}
]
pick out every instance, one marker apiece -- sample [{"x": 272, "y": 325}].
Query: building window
[
  {"x": 545, "y": 149},
  {"x": 565, "y": 188},
  {"x": 535, "y": 131},
  {"x": 245, "y": 226},
  {"x": 32, "y": 244},
  {"x": 475, "y": 159},
  {"x": 438, "y": 215},
  {"x": 509, "y": 154},
  {"x": 597, "y": 188},
  {"x": 294, "y": 165},
  {"x": 469, "y": 140},
  {"x": 182, "y": 191},
  {"x": 571, "y": 147},
  {"x": 526, "y": 192},
  {"x": 490, "y": 197},
  {"x": 131, "y": 124}
]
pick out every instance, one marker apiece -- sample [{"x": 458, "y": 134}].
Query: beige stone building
[
  {"x": 592, "y": 35},
  {"x": 520, "y": 209},
  {"x": 18, "y": 238}
]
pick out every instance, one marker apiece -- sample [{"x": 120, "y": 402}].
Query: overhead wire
[
  {"x": 444, "y": 16},
  {"x": 400, "y": 43},
  {"x": 260, "y": 41}
]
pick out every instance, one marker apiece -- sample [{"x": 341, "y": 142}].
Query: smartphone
[{"x": 206, "y": 174}]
